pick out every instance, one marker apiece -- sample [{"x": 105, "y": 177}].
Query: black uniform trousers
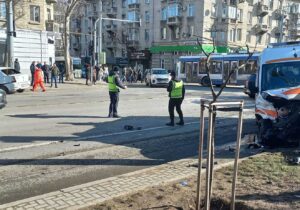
[
  {"x": 114, "y": 100},
  {"x": 175, "y": 102}
]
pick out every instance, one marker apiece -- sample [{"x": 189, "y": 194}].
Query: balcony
[
  {"x": 112, "y": 12},
  {"x": 134, "y": 6},
  {"x": 111, "y": 44},
  {"x": 51, "y": 1},
  {"x": 132, "y": 43},
  {"x": 133, "y": 25},
  {"x": 173, "y": 21},
  {"x": 278, "y": 14},
  {"x": 260, "y": 29},
  {"x": 295, "y": 33},
  {"x": 51, "y": 26},
  {"x": 111, "y": 28},
  {"x": 262, "y": 10},
  {"x": 277, "y": 31}
]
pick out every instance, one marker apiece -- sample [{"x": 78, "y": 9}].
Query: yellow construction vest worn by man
[
  {"x": 176, "y": 91},
  {"x": 114, "y": 84}
]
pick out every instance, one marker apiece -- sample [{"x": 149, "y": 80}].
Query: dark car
[
  {"x": 3, "y": 101},
  {"x": 250, "y": 88}
]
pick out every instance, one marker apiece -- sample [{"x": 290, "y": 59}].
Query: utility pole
[{"x": 10, "y": 34}]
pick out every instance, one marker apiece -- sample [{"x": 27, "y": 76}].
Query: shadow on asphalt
[{"x": 177, "y": 142}]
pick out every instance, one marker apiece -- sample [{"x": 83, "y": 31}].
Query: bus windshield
[{"x": 280, "y": 75}]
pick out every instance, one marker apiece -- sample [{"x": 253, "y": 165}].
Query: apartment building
[
  {"x": 34, "y": 27},
  {"x": 170, "y": 28},
  {"x": 230, "y": 23},
  {"x": 125, "y": 43}
]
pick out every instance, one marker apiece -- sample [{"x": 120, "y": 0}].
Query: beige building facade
[{"x": 170, "y": 28}]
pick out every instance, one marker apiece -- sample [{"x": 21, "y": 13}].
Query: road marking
[
  {"x": 27, "y": 146},
  {"x": 87, "y": 137},
  {"x": 128, "y": 132}
]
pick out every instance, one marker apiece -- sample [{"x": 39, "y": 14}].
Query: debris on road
[{"x": 76, "y": 145}]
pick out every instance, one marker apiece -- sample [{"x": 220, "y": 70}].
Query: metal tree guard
[{"x": 212, "y": 108}]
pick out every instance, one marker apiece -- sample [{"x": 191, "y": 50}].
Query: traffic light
[{"x": 91, "y": 50}]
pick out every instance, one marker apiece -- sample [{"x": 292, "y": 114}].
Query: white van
[
  {"x": 12, "y": 81},
  {"x": 277, "y": 105}
]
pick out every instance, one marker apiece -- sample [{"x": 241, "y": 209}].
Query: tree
[
  {"x": 67, "y": 7},
  {"x": 215, "y": 96}
]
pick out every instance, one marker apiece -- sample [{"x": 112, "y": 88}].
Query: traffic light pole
[{"x": 10, "y": 34}]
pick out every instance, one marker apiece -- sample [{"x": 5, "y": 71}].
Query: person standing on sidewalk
[
  {"x": 176, "y": 91},
  {"x": 38, "y": 78},
  {"x": 46, "y": 70},
  {"x": 32, "y": 69},
  {"x": 62, "y": 71},
  {"x": 17, "y": 65},
  {"x": 114, "y": 82},
  {"x": 54, "y": 75}
]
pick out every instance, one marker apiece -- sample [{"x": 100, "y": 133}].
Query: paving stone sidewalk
[{"x": 98, "y": 191}]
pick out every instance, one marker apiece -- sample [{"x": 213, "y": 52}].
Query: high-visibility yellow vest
[
  {"x": 177, "y": 89},
  {"x": 112, "y": 87}
]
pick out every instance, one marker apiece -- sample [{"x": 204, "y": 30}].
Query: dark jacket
[
  {"x": 32, "y": 68},
  {"x": 170, "y": 87},
  {"x": 117, "y": 79},
  {"x": 17, "y": 66}
]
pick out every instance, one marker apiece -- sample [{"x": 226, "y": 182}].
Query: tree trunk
[{"x": 68, "y": 67}]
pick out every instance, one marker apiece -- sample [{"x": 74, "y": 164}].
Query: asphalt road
[{"x": 63, "y": 137}]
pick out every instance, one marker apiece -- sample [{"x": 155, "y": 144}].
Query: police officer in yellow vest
[
  {"x": 176, "y": 91},
  {"x": 114, "y": 82}
]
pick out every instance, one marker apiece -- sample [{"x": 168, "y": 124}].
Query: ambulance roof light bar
[{"x": 283, "y": 44}]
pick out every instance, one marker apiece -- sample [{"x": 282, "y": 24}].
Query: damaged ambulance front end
[{"x": 277, "y": 105}]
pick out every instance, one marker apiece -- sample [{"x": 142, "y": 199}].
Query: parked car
[
  {"x": 250, "y": 88},
  {"x": 12, "y": 80},
  {"x": 3, "y": 101},
  {"x": 157, "y": 77}
]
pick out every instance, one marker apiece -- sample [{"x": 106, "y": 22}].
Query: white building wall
[{"x": 31, "y": 46}]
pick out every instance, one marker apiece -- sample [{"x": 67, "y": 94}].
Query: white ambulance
[{"x": 277, "y": 106}]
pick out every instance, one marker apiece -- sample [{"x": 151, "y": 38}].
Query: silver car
[{"x": 157, "y": 77}]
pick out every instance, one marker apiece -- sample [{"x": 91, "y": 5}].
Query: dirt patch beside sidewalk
[{"x": 264, "y": 182}]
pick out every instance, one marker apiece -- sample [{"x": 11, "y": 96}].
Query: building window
[
  {"x": 133, "y": 16},
  {"x": 191, "y": 30},
  {"x": 163, "y": 33},
  {"x": 213, "y": 34},
  {"x": 147, "y": 36},
  {"x": 239, "y": 34},
  {"x": 147, "y": 16},
  {"x": 268, "y": 39},
  {"x": 147, "y": 1},
  {"x": 239, "y": 15},
  {"x": 271, "y": 4},
  {"x": 162, "y": 63},
  {"x": 248, "y": 37},
  {"x": 222, "y": 36},
  {"x": 49, "y": 14},
  {"x": 123, "y": 3},
  {"x": 249, "y": 16},
  {"x": 214, "y": 10},
  {"x": 164, "y": 13},
  {"x": 177, "y": 33},
  {"x": 191, "y": 10},
  {"x": 232, "y": 35},
  {"x": 35, "y": 13},
  {"x": 270, "y": 21},
  {"x": 174, "y": 10},
  {"x": 132, "y": 2},
  {"x": 259, "y": 39},
  {"x": 2, "y": 10}
]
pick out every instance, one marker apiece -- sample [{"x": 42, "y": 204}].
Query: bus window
[
  {"x": 202, "y": 68},
  {"x": 182, "y": 68},
  {"x": 250, "y": 67},
  {"x": 195, "y": 70},
  {"x": 216, "y": 67}
]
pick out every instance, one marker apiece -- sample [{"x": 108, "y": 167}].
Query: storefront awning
[{"x": 187, "y": 48}]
